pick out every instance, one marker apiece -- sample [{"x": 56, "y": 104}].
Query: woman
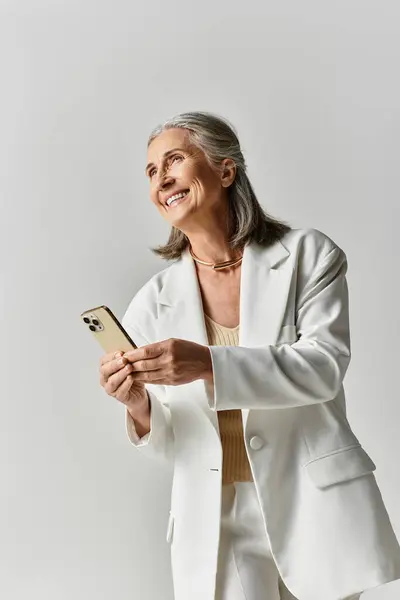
[{"x": 237, "y": 381}]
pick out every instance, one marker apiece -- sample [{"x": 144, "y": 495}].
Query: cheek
[
  {"x": 153, "y": 196},
  {"x": 204, "y": 178},
  {"x": 198, "y": 183}
]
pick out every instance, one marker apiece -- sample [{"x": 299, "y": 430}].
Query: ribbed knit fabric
[{"x": 235, "y": 464}]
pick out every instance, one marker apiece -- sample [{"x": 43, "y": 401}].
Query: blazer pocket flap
[
  {"x": 170, "y": 528},
  {"x": 339, "y": 466}
]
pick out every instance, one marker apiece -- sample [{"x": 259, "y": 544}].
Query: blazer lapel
[{"x": 265, "y": 283}]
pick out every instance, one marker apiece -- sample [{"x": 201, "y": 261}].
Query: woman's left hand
[{"x": 170, "y": 362}]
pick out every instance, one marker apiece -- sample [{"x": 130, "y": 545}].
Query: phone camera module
[{"x": 93, "y": 322}]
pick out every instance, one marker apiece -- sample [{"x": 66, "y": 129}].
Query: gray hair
[{"x": 218, "y": 139}]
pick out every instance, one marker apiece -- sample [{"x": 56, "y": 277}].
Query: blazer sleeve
[
  {"x": 308, "y": 371},
  {"x": 158, "y": 443}
]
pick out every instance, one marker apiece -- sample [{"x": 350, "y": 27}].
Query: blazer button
[{"x": 256, "y": 442}]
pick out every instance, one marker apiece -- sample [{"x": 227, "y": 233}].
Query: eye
[
  {"x": 174, "y": 156},
  {"x": 170, "y": 160}
]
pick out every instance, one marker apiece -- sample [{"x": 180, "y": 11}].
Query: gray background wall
[{"x": 313, "y": 90}]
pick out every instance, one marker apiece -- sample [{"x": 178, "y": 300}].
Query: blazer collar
[{"x": 264, "y": 287}]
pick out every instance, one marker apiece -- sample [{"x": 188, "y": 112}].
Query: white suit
[{"x": 327, "y": 525}]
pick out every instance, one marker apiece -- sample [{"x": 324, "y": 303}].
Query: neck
[
  {"x": 208, "y": 235},
  {"x": 211, "y": 244}
]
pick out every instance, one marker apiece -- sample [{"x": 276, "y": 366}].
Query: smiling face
[{"x": 176, "y": 165}]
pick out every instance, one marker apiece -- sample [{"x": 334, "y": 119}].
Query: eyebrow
[{"x": 164, "y": 156}]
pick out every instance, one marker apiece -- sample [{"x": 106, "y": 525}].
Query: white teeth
[{"x": 176, "y": 197}]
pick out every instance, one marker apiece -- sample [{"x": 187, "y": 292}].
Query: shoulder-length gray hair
[{"x": 217, "y": 138}]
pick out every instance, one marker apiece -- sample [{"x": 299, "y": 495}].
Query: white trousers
[{"x": 246, "y": 568}]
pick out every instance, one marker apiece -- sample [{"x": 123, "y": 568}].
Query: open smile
[{"x": 177, "y": 201}]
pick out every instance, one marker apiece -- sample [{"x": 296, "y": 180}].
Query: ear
[{"x": 228, "y": 172}]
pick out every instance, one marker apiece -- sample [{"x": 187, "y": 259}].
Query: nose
[{"x": 164, "y": 182}]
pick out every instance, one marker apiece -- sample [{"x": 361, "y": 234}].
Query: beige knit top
[{"x": 235, "y": 464}]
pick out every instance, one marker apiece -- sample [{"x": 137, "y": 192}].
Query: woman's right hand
[{"x": 115, "y": 378}]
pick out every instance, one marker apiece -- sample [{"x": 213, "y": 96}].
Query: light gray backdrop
[{"x": 313, "y": 90}]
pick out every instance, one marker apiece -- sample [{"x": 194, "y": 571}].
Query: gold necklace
[{"x": 216, "y": 266}]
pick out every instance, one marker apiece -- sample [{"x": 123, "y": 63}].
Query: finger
[
  {"x": 147, "y": 364},
  {"x": 113, "y": 382},
  {"x": 109, "y": 357},
  {"x": 148, "y": 351},
  {"x": 157, "y": 376},
  {"x": 105, "y": 378},
  {"x": 112, "y": 367},
  {"x": 123, "y": 389}
]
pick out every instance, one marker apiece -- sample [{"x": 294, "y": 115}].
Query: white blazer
[{"x": 327, "y": 525}]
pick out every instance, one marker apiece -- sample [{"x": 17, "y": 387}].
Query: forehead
[{"x": 171, "y": 138}]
